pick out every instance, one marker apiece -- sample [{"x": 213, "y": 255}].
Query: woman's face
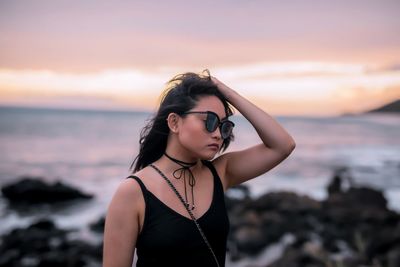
[{"x": 193, "y": 135}]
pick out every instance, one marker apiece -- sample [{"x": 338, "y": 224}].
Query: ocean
[{"x": 92, "y": 150}]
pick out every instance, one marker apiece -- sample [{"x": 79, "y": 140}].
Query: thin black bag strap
[{"x": 190, "y": 213}]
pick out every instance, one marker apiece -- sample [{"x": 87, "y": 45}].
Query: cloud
[
  {"x": 286, "y": 86},
  {"x": 358, "y": 99},
  {"x": 393, "y": 67}
]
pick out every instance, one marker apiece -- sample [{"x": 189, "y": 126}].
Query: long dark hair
[{"x": 181, "y": 94}]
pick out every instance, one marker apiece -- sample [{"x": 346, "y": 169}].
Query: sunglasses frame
[{"x": 220, "y": 122}]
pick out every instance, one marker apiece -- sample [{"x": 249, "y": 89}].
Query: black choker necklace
[{"x": 181, "y": 172}]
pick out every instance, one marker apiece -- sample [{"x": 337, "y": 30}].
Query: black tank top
[{"x": 171, "y": 239}]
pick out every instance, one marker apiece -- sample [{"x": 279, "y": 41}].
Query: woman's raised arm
[{"x": 240, "y": 166}]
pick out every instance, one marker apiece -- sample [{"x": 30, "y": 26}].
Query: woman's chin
[{"x": 208, "y": 156}]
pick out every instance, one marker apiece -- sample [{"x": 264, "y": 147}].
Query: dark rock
[
  {"x": 393, "y": 257},
  {"x": 382, "y": 240},
  {"x": 9, "y": 258},
  {"x": 43, "y": 224},
  {"x": 34, "y": 237},
  {"x": 98, "y": 226},
  {"x": 43, "y": 244},
  {"x": 341, "y": 179},
  {"x": 250, "y": 239},
  {"x": 34, "y": 191},
  {"x": 353, "y": 223},
  {"x": 356, "y": 205},
  {"x": 368, "y": 197},
  {"x": 335, "y": 186},
  {"x": 286, "y": 202},
  {"x": 258, "y": 223},
  {"x": 297, "y": 258},
  {"x": 53, "y": 258}
]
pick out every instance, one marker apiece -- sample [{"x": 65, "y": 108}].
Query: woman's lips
[{"x": 214, "y": 146}]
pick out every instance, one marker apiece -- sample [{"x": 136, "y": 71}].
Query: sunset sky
[{"x": 298, "y": 57}]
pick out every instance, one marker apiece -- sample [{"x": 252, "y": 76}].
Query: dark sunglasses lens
[
  {"x": 226, "y": 129},
  {"x": 211, "y": 122}
]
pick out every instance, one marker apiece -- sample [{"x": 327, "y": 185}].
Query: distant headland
[{"x": 392, "y": 107}]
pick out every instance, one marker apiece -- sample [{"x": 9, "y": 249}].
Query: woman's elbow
[{"x": 289, "y": 148}]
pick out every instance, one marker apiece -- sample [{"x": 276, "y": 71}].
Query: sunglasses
[{"x": 212, "y": 122}]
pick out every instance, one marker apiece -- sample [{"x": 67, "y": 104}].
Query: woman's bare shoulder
[
  {"x": 127, "y": 196},
  {"x": 129, "y": 189}
]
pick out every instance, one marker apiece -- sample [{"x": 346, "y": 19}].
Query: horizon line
[{"x": 149, "y": 111}]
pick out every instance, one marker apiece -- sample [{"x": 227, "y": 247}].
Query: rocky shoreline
[{"x": 351, "y": 227}]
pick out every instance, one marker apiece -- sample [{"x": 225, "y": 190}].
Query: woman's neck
[{"x": 173, "y": 159}]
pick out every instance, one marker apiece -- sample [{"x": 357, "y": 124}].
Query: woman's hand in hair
[{"x": 223, "y": 88}]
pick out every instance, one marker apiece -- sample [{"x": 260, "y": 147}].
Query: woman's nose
[{"x": 217, "y": 134}]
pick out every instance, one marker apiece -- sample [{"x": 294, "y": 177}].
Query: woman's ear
[{"x": 172, "y": 121}]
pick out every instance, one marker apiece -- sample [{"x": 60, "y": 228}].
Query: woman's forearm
[{"x": 272, "y": 134}]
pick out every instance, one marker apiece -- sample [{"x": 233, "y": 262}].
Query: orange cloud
[
  {"x": 360, "y": 99},
  {"x": 303, "y": 87}
]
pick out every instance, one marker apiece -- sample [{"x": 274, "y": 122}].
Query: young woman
[{"x": 172, "y": 208}]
